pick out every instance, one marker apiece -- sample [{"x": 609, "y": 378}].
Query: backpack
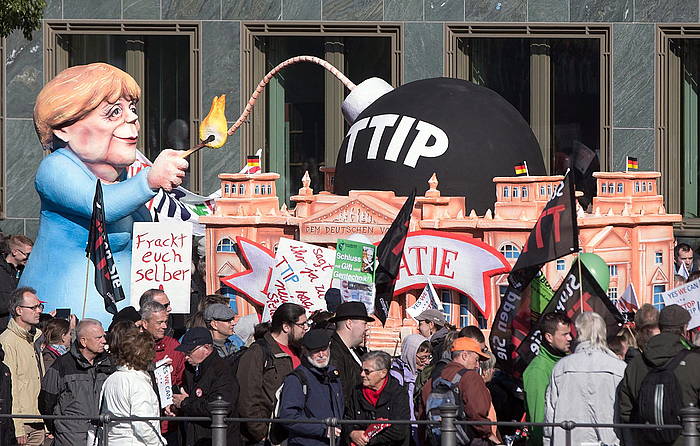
[
  {"x": 278, "y": 433},
  {"x": 443, "y": 392},
  {"x": 659, "y": 401}
]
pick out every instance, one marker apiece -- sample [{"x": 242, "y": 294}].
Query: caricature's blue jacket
[{"x": 57, "y": 265}]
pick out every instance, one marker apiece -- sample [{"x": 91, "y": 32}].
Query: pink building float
[{"x": 628, "y": 227}]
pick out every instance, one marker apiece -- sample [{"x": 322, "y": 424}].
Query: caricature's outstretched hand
[{"x": 168, "y": 170}]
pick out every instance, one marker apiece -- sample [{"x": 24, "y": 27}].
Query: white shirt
[{"x": 128, "y": 392}]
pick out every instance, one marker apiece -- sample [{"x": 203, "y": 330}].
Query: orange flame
[{"x": 215, "y": 123}]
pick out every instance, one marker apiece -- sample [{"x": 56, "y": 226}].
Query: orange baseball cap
[{"x": 468, "y": 344}]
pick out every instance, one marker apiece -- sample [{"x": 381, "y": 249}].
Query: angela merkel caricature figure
[{"x": 86, "y": 117}]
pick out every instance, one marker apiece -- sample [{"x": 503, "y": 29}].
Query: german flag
[
  {"x": 253, "y": 165},
  {"x": 521, "y": 169},
  {"x": 632, "y": 163}
]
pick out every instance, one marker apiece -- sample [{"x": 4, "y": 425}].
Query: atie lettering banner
[
  {"x": 555, "y": 235},
  {"x": 301, "y": 274},
  {"x": 688, "y": 297},
  {"x": 454, "y": 261},
  {"x": 353, "y": 273},
  {"x": 574, "y": 295},
  {"x": 161, "y": 257}
]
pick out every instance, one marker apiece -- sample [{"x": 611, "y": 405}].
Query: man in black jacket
[
  {"x": 72, "y": 385},
  {"x": 351, "y": 327},
  {"x": 379, "y": 397},
  {"x": 11, "y": 263},
  {"x": 6, "y": 425},
  {"x": 206, "y": 377}
]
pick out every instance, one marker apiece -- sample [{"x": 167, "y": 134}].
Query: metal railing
[{"x": 219, "y": 409}]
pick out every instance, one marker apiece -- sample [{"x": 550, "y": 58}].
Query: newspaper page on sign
[
  {"x": 353, "y": 273},
  {"x": 301, "y": 274},
  {"x": 688, "y": 297},
  {"x": 161, "y": 258},
  {"x": 163, "y": 374}
]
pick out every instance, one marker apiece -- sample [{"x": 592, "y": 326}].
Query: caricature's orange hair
[{"x": 75, "y": 92}]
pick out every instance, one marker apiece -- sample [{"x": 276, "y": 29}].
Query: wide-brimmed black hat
[{"x": 351, "y": 310}]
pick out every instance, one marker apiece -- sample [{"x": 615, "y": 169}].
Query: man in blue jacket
[{"x": 312, "y": 390}]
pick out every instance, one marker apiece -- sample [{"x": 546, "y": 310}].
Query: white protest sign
[
  {"x": 427, "y": 300},
  {"x": 688, "y": 297},
  {"x": 161, "y": 257},
  {"x": 301, "y": 274},
  {"x": 163, "y": 373}
]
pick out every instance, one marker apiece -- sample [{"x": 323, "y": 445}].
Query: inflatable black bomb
[{"x": 465, "y": 133}]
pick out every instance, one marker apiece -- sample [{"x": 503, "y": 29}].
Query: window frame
[
  {"x": 453, "y": 63},
  {"x": 658, "y": 304},
  {"x": 52, "y": 29},
  {"x": 253, "y": 133},
  {"x": 668, "y": 122}
]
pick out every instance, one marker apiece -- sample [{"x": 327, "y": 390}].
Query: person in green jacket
[{"x": 556, "y": 343}]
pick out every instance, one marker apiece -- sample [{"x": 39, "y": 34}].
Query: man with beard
[
  {"x": 306, "y": 391},
  {"x": 263, "y": 367},
  {"x": 556, "y": 343},
  {"x": 350, "y": 330}
]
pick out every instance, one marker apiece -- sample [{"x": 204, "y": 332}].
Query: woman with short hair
[
  {"x": 379, "y": 397},
  {"x": 57, "y": 339},
  {"x": 128, "y": 392}
]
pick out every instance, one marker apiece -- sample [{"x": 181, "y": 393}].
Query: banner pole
[
  {"x": 87, "y": 273},
  {"x": 580, "y": 282}
]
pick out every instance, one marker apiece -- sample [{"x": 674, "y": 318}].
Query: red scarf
[{"x": 372, "y": 396}]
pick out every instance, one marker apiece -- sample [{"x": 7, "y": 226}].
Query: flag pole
[
  {"x": 87, "y": 273},
  {"x": 580, "y": 282}
]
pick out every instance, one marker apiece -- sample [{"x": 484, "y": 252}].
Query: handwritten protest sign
[
  {"x": 302, "y": 275},
  {"x": 162, "y": 373},
  {"x": 162, "y": 258},
  {"x": 428, "y": 300},
  {"x": 353, "y": 273},
  {"x": 688, "y": 297}
]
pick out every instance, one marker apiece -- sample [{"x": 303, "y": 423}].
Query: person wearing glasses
[
  {"x": 18, "y": 249},
  {"x": 206, "y": 376},
  {"x": 23, "y": 358},
  {"x": 415, "y": 356},
  {"x": 379, "y": 397},
  {"x": 265, "y": 364}
]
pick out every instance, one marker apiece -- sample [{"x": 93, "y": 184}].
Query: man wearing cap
[
  {"x": 219, "y": 320},
  {"x": 432, "y": 325},
  {"x": 673, "y": 322},
  {"x": 312, "y": 391},
  {"x": 350, "y": 329},
  {"x": 206, "y": 377},
  {"x": 476, "y": 399}
]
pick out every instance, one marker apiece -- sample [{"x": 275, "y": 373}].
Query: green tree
[{"x": 21, "y": 14}]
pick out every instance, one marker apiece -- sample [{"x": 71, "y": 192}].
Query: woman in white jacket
[
  {"x": 128, "y": 392},
  {"x": 585, "y": 383}
]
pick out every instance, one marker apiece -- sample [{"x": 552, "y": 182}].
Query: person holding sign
[{"x": 86, "y": 117}]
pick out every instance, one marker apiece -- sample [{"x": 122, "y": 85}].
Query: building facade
[{"x": 618, "y": 77}]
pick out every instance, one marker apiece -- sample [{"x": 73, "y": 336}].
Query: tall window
[
  {"x": 469, "y": 314},
  {"x": 163, "y": 60},
  {"x": 446, "y": 296},
  {"x": 658, "y": 300},
  {"x": 658, "y": 257},
  {"x": 612, "y": 293},
  {"x": 229, "y": 292},
  {"x": 613, "y": 270},
  {"x": 298, "y": 121},
  {"x": 558, "y": 84},
  {"x": 510, "y": 251}
]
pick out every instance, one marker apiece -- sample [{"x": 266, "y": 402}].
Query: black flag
[
  {"x": 574, "y": 295},
  {"x": 389, "y": 254},
  {"x": 555, "y": 235},
  {"x": 107, "y": 281}
]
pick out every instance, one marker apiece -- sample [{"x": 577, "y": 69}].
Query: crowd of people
[{"x": 301, "y": 366}]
